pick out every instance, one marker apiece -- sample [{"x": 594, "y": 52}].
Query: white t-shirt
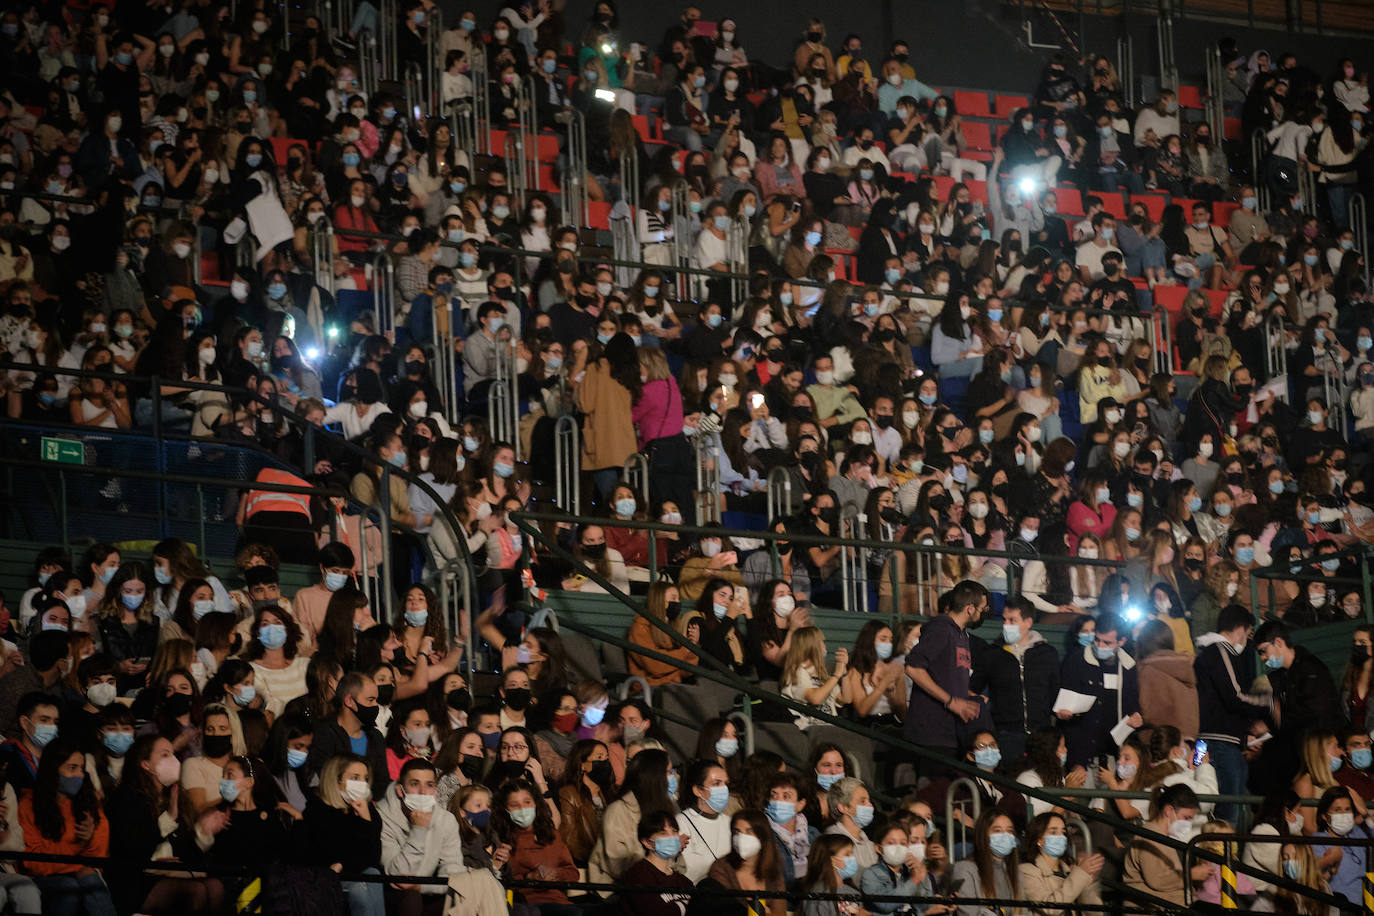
[{"x": 1090, "y": 256}]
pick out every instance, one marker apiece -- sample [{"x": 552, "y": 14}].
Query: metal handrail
[
  {"x": 708, "y": 478},
  {"x": 682, "y": 216},
  {"x": 1258, "y": 150},
  {"x": 1231, "y": 840},
  {"x": 635, "y": 475},
  {"x": 574, "y": 186},
  {"x": 1275, "y": 353},
  {"x": 1358, "y": 217},
  {"x": 779, "y": 494},
  {"x": 567, "y": 456},
  {"x": 976, "y": 803}
]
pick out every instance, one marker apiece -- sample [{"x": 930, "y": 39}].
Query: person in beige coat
[
  {"x": 1050, "y": 874},
  {"x": 650, "y": 785},
  {"x": 606, "y": 390}
]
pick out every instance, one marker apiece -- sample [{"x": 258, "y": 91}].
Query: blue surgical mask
[
  {"x": 272, "y": 635},
  {"x": 1003, "y": 844},
  {"x": 1273, "y": 662},
  {"x": 295, "y": 758},
  {"x": 603, "y": 338},
  {"x": 826, "y": 780},
  {"x": 1292, "y": 869},
  {"x": 162, "y": 575},
  {"x": 276, "y": 290},
  {"x": 863, "y": 815},
  {"x": 503, "y": 469},
  {"x": 722, "y": 223},
  {"x": 928, "y": 399},
  {"x": 884, "y": 650},
  {"x": 106, "y": 575},
  {"x": 47, "y": 398},
  {"x": 550, "y": 66},
  {"x": 780, "y": 812},
  {"x": 351, "y": 160},
  {"x": 719, "y": 798},
  {"x": 124, "y": 58},
  {"x": 1103, "y": 652},
  {"x": 727, "y": 747},
  {"x": 43, "y": 733},
  {"x": 229, "y": 790},
  {"x": 985, "y": 436},
  {"x": 1245, "y": 555},
  {"x": 625, "y": 507},
  {"x": 132, "y": 602},
  {"x": 667, "y": 847},
  {"x": 813, "y": 238},
  {"x": 200, "y": 608},
  {"x": 252, "y": 160},
  {"x": 1085, "y": 639},
  {"x": 1276, "y": 487},
  {"x": 1194, "y": 503},
  {"x": 250, "y": 96},
  {"x": 784, "y": 298},
  {"x": 457, "y": 187},
  {"x": 70, "y": 785},
  {"x": 117, "y": 743},
  {"x": 246, "y": 695},
  {"x": 987, "y": 758},
  {"x": 1310, "y": 260},
  {"x": 1361, "y": 758},
  {"x": 719, "y": 610},
  {"x": 713, "y": 320},
  {"x": 398, "y": 458},
  {"x": 849, "y": 868},
  {"x": 467, "y": 258},
  {"x": 417, "y": 618},
  {"x": 335, "y": 580},
  {"x": 1056, "y": 845},
  {"x": 672, "y": 785},
  {"x": 995, "y": 315},
  {"x": 892, "y": 275}
]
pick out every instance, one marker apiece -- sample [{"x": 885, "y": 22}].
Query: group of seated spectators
[{"x": 919, "y": 343}]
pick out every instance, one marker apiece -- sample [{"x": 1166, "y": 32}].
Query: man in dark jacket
[
  {"x": 1106, "y": 673},
  {"x": 1020, "y": 676},
  {"x": 352, "y": 730},
  {"x": 1305, "y": 696},
  {"x": 1226, "y": 706}
]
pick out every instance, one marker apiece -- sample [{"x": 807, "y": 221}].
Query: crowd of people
[{"x": 929, "y": 348}]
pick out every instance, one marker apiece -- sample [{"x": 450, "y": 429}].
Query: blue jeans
[
  {"x": 683, "y": 136},
  {"x": 1338, "y": 197},
  {"x": 967, "y": 367},
  {"x": 1232, "y": 774},
  {"x": 365, "y": 898},
  {"x": 75, "y": 895}
]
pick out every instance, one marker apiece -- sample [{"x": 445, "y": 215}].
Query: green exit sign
[{"x": 63, "y": 451}]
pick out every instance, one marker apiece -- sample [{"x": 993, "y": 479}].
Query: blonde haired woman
[
  {"x": 1321, "y": 757},
  {"x": 343, "y": 829},
  {"x": 806, "y": 679}
]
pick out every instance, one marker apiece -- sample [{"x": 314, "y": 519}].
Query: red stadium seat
[
  {"x": 1070, "y": 201},
  {"x": 598, "y": 215},
  {"x": 1113, "y": 202},
  {"x": 1171, "y": 298},
  {"x": 978, "y": 136},
  {"x": 978, "y": 190},
  {"x": 1007, "y": 105},
  {"x": 1230, "y": 128},
  {"x": 972, "y": 104},
  {"x": 1217, "y": 298},
  {"x": 1187, "y": 204},
  {"x": 282, "y": 145},
  {"x": 642, "y": 127},
  {"x": 1189, "y": 97}
]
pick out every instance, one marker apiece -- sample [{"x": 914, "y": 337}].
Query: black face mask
[
  {"x": 216, "y": 745},
  {"x": 178, "y": 704},
  {"x": 293, "y": 163},
  {"x": 367, "y": 715},
  {"x": 1193, "y": 564},
  {"x": 586, "y": 301},
  {"x": 518, "y": 698},
  {"x": 884, "y": 420},
  {"x": 471, "y": 765},
  {"x": 800, "y": 412},
  {"x": 672, "y": 610},
  {"x": 891, "y": 515},
  {"x": 1244, "y": 390},
  {"x": 594, "y": 551},
  {"x": 601, "y": 772},
  {"x": 1359, "y": 655},
  {"x": 813, "y": 36},
  {"x": 415, "y": 367},
  {"x": 460, "y": 698},
  {"x": 385, "y": 694},
  {"x": 512, "y": 769},
  {"x": 566, "y": 267},
  {"x": 940, "y": 502},
  {"x": 784, "y": 548},
  {"x": 1235, "y": 478}
]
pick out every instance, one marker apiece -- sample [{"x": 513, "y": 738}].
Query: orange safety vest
[{"x": 270, "y": 501}]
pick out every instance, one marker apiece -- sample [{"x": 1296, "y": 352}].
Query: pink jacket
[
  {"x": 658, "y": 413},
  {"x": 1083, "y": 520},
  {"x": 767, "y": 179}
]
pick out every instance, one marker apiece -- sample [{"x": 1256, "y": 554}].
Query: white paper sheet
[{"x": 1074, "y": 702}]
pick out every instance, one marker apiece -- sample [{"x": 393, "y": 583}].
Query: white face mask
[
  {"x": 978, "y": 510},
  {"x": 1088, "y": 553}
]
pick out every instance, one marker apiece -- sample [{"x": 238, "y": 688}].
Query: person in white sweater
[
  {"x": 418, "y": 837},
  {"x": 705, "y": 798}
]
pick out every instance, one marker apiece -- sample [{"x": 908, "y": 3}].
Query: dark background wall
[{"x": 958, "y": 42}]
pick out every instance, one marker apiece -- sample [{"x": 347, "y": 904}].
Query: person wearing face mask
[
  {"x": 703, "y": 819},
  {"x": 1303, "y": 690},
  {"x": 1104, "y": 671},
  {"x": 351, "y": 731},
  {"x": 36, "y": 718},
  {"x": 1154, "y": 869},
  {"x": 1020, "y": 677},
  {"x": 418, "y": 837},
  {"x": 1341, "y": 815}
]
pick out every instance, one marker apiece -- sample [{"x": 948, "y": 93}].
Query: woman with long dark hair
[
  {"x": 606, "y": 394},
  {"x": 61, "y": 815}
]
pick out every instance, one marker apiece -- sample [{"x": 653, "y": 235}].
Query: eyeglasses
[{"x": 514, "y": 747}]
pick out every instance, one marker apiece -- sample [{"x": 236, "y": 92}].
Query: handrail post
[
  {"x": 567, "y": 451},
  {"x": 1358, "y": 217},
  {"x": 976, "y": 804},
  {"x": 779, "y": 494},
  {"x": 384, "y": 498},
  {"x": 682, "y": 215},
  {"x": 635, "y": 475}
]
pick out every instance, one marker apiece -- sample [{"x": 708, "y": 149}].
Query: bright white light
[
  {"x": 605, "y": 95},
  {"x": 1131, "y": 614},
  {"x": 333, "y": 331},
  {"x": 312, "y": 354},
  {"x": 1027, "y": 185}
]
